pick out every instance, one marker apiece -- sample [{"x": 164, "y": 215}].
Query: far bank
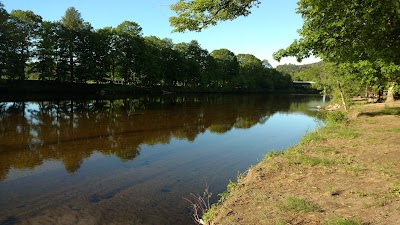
[{"x": 15, "y": 89}]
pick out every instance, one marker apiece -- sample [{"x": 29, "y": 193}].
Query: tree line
[
  {"x": 357, "y": 40},
  {"x": 70, "y": 50}
]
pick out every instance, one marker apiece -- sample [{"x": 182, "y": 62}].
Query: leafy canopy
[
  {"x": 347, "y": 31},
  {"x": 196, "y": 15}
]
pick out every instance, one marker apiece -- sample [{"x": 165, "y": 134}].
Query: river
[{"x": 135, "y": 160}]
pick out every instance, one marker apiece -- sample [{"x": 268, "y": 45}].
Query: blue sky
[{"x": 269, "y": 28}]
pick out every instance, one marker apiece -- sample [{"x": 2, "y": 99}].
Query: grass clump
[
  {"x": 310, "y": 137},
  {"x": 292, "y": 203},
  {"x": 336, "y": 117},
  {"x": 209, "y": 214},
  {"x": 342, "y": 221},
  {"x": 272, "y": 154},
  {"x": 355, "y": 169}
]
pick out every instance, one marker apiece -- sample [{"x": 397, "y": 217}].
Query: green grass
[
  {"x": 355, "y": 169},
  {"x": 391, "y": 111},
  {"x": 342, "y": 221},
  {"x": 396, "y": 130},
  {"x": 280, "y": 222},
  {"x": 345, "y": 133},
  {"x": 296, "y": 204},
  {"x": 210, "y": 213},
  {"x": 272, "y": 154},
  {"x": 310, "y": 137}
]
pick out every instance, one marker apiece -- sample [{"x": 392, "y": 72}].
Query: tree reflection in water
[{"x": 71, "y": 131}]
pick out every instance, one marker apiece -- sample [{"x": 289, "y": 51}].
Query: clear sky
[{"x": 269, "y": 28}]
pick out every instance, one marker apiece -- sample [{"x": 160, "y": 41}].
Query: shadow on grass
[{"x": 385, "y": 111}]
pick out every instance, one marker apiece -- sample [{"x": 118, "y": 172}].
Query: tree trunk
[
  {"x": 342, "y": 96},
  {"x": 390, "y": 94}
]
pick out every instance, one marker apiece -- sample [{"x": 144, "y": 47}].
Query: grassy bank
[{"x": 345, "y": 173}]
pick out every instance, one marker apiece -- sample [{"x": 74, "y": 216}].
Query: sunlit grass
[
  {"x": 311, "y": 137},
  {"x": 273, "y": 154},
  {"x": 343, "y": 132},
  {"x": 296, "y": 204}
]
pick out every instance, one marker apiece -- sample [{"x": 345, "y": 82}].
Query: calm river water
[{"x": 133, "y": 161}]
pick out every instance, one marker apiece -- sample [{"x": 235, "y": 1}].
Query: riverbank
[
  {"x": 15, "y": 89},
  {"x": 344, "y": 173}
]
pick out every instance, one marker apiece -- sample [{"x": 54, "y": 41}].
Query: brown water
[{"x": 133, "y": 161}]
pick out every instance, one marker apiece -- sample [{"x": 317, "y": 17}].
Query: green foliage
[
  {"x": 354, "y": 35},
  {"x": 209, "y": 214},
  {"x": 224, "y": 195},
  {"x": 293, "y": 69},
  {"x": 335, "y": 117},
  {"x": 72, "y": 20},
  {"x": 342, "y": 221},
  {"x": 296, "y": 204},
  {"x": 195, "y": 15},
  {"x": 20, "y": 33},
  {"x": 70, "y": 50}
]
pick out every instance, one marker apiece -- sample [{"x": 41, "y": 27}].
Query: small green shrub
[
  {"x": 335, "y": 117},
  {"x": 209, "y": 214}
]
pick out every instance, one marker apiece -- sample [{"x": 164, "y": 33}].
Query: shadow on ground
[{"x": 385, "y": 111}]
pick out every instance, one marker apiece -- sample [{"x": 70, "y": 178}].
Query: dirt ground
[{"x": 348, "y": 174}]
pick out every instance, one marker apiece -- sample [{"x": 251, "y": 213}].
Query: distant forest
[{"x": 70, "y": 50}]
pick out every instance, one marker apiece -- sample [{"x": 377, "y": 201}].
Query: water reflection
[
  {"x": 178, "y": 142},
  {"x": 70, "y": 131}
]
